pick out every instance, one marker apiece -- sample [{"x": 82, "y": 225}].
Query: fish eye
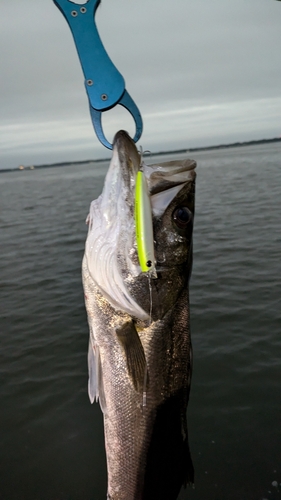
[{"x": 182, "y": 217}]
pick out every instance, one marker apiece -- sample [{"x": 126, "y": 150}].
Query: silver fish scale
[
  {"x": 121, "y": 441},
  {"x": 128, "y": 426}
]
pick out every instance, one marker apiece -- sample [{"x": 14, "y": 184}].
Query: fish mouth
[
  {"x": 127, "y": 151},
  {"x": 169, "y": 175},
  {"x": 161, "y": 176},
  {"x": 164, "y": 180},
  {"x": 124, "y": 144}
]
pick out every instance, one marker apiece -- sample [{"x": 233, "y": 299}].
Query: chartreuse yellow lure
[{"x": 144, "y": 227}]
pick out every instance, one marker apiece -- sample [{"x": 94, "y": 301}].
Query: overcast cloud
[{"x": 202, "y": 72}]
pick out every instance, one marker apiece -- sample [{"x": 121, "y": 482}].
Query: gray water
[{"x": 51, "y": 438}]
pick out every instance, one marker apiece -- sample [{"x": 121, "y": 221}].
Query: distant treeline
[
  {"x": 237, "y": 144},
  {"x": 218, "y": 146},
  {"x": 159, "y": 153}
]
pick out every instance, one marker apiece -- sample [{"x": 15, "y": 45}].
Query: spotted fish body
[{"x": 140, "y": 349}]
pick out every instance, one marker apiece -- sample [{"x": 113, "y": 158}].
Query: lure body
[{"x": 144, "y": 227}]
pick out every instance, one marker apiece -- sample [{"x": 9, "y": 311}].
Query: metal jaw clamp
[{"x": 104, "y": 84}]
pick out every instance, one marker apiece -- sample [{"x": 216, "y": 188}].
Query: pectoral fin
[
  {"x": 92, "y": 369},
  {"x": 95, "y": 383},
  {"x": 134, "y": 353}
]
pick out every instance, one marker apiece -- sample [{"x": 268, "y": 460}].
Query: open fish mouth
[{"x": 164, "y": 179}]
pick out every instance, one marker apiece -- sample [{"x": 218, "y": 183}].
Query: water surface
[{"x": 51, "y": 438}]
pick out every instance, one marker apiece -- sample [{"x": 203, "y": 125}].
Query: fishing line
[
  {"x": 150, "y": 322},
  {"x": 150, "y": 297},
  {"x": 144, "y": 386}
]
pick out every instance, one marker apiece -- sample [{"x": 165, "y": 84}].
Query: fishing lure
[{"x": 144, "y": 226}]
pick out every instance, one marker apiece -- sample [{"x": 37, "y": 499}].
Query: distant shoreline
[
  {"x": 159, "y": 153},
  {"x": 225, "y": 146}
]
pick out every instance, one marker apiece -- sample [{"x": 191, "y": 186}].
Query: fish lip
[
  {"x": 122, "y": 136},
  {"x": 129, "y": 157},
  {"x": 159, "y": 179},
  {"x": 126, "y": 147}
]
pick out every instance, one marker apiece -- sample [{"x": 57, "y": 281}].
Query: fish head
[
  {"x": 172, "y": 191},
  {"x": 111, "y": 248}
]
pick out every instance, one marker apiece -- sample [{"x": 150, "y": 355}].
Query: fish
[{"x": 140, "y": 352}]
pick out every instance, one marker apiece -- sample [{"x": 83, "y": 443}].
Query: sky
[{"x": 202, "y": 72}]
